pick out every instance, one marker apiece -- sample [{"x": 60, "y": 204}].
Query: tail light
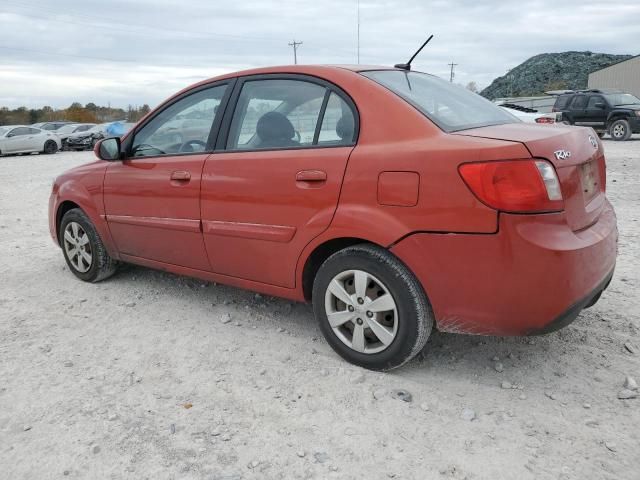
[
  {"x": 516, "y": 186},
  {"x": 545, "y": 120}
]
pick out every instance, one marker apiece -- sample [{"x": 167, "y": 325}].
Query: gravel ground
[{"x": 152, "y": 375}]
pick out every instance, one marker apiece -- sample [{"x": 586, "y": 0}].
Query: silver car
[{"x": 23, "y": 139}]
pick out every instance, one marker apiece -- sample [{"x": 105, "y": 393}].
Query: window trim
[
  {"x": 230, "y": 108},
  {"x": 214, "y": 132}
]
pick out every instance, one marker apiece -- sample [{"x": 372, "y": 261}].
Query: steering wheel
[{"x": 190, "y": 143}]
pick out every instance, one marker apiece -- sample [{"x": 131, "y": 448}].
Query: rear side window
[
  {"x": 273, "y": 114},
  {"x": 579, "y": 102},
  {"x": 562, "y": 101},
  {"x": 338, "y": 123},
  {"x": 34, "y": 130}
]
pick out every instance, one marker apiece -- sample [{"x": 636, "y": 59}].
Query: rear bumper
[{"x": 534, "y": 276}]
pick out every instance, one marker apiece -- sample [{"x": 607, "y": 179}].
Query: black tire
[
  {"x": 414, "y": 314},
  {"x": 620, "y": 130},
  {"x": 50, "y": 147},
  {"x": 601, "y": 134},
  {"x": 102, "y": 265}
]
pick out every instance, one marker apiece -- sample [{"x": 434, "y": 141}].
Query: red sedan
[{"x": 391, "y": 199}]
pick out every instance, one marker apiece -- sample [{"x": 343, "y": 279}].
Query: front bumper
[
  {"x": 535, "y": 275},
  {"x": 634, "y": 124}
]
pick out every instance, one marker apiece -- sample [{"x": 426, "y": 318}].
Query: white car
[
  {"x": 528, "y": 115},
  {"x": 24, "y": 139}
]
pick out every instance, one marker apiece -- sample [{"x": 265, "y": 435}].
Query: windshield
[
  {"x": 67, "y": 129},
  {"x": 449, "y": 106},
  {"x": 616, "y": 99}
]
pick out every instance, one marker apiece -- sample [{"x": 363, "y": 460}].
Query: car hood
[{"x": 80, "y": 135}]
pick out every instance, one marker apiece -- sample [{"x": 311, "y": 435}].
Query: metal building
[{"x": 623, "y": 76}]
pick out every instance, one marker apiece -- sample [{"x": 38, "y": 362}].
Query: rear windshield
[{"x": 449, "y": 106}]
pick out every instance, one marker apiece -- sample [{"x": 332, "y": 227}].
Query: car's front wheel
[
  {"x": 83, "y": 249},
  {"x": 620, "y": 130},
  {"x": 371, "y": 308}
]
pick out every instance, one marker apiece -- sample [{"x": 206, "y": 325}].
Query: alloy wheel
[
  {"x": 77, "y": 247},
  {"x": 361, "y": 311},
  {"x": 618, "y": 131}
]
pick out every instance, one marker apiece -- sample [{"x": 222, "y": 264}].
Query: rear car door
[
  {"x": 152, "y": 197},
  {"x": 273, "y": 183},
  {"x": 577, "y": 109}
]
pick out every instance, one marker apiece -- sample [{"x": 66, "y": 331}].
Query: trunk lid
[{"x": 577, "y": 155}]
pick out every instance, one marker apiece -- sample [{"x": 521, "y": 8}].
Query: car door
[
  {"x": 35, "y": 139},
  {"x": 152, "y": 197},
  {"x": 578, "y": 109},
  {"x": 16, "y": 140},
  {"x": 595, "y": 112},
  {"x": 273, "y": 183}
]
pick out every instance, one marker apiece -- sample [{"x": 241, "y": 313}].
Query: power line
[
  {"x": 295, "y": 46},
  {"x": 452, "y": 75}
]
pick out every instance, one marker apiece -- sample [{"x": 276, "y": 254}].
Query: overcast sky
[{"x": 124, "y": 52}]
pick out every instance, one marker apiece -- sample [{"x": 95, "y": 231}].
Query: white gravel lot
[{"x": 138, "y": 377}]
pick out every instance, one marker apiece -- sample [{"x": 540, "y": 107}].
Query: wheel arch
[
  {"x": 63, "y": 208},
  {"x": 319, "y": 254}
]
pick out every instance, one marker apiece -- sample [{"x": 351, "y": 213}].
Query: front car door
[
  {"x": 152, "y": 197},
  {"x": 274, "y": 181},
  {"x": 596, "y": 114},
  {"x": 578, "y": 109},
  {"x": 16, "y": 140}
]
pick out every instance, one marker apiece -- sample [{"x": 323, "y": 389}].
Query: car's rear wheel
[
  {"x": 50, "y": 147},
  {"x": 620, "y": 130},
  {"x": 83, "y": 249},
  {"x": 371, "y": 308}
]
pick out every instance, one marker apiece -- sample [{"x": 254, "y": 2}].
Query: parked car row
[{"x": 49, "y": 137}]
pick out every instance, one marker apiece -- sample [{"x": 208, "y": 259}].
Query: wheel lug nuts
[
  {"x": 359, "y": 321},
  {"x": 351, "y": 309},
  {"x": 369, "y": 314},
  {"x": 360, "y": 301}
]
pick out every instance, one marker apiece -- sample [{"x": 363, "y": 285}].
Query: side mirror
[
  {"x": 108, "y": 149},
  {"x": 11, "y": 134},
  {"x": 599, "y": 105}
]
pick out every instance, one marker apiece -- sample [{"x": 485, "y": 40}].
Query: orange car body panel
[{"x": 251, "y": 220}]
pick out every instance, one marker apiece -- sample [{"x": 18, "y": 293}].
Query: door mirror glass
[{"x": 108, "y": 149}]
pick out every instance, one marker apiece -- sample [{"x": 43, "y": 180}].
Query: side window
[
  {"x": 16, "y": 132},
  {"x": 182, "y": 127},
  {"x": 338, "y": 124},
  {"x": 34, "y": 131},
  {"x": 275, "y": 114},
  {"x": 592, "y": 102},
  {"x": 579, "y": 102}
]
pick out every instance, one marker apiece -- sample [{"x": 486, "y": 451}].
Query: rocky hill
[{"x": 550, "y": 71}]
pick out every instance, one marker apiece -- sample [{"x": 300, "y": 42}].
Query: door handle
[
  {"x": 311, "y": 176},
  {"x": 181, "y": 176}
]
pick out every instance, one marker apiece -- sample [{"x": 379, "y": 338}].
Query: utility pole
[
  {"x": 358, "y": 2},
  {"x": 295, "y": 46},
  {"x": 452, "y": 75}
]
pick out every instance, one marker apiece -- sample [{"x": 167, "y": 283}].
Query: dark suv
[{"x": 606, "y": 111}]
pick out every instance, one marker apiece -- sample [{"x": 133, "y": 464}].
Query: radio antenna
[{"x": 407, "y": 66}]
